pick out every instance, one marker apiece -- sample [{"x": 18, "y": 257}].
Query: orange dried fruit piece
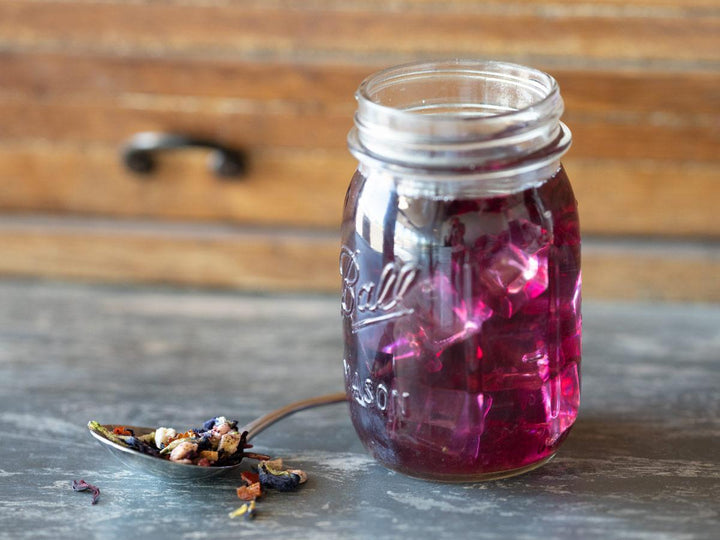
[
  {"x": 250, "y": 493},
  {"x": 249, "y": 477}
]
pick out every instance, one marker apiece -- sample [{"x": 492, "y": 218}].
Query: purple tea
[
  {"x": 460, "y": 268},
  {"x": 464, "y": 360}
]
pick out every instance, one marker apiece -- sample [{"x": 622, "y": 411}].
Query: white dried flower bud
[
  {"x": 183, "y": 451},
  {"x": 163, "y": 436}
]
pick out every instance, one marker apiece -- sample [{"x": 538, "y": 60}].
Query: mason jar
[{"x": 460, "y": 267}]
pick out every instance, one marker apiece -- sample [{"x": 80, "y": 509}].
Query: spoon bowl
[{"x": 180, "y": 471}]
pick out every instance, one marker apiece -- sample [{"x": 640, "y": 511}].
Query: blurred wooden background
[{"x": 641, "y": 81}]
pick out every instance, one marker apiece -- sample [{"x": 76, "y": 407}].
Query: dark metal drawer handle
[{"x": 138, "y": 154}]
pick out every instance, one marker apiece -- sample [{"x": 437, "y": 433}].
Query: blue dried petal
[
  {"x": 141, "y": 446},
  {"x": 284, "y": 481},
  {"x": 204, "y": 443},
  {"x": 208, "y": 425}
]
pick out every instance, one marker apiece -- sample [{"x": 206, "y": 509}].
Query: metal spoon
[{"x": 170, "y": 469}]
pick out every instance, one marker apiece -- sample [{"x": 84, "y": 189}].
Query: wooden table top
[{"x": 643, "y": 460}]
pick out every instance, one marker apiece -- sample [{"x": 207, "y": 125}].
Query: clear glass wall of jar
[{"x": 460, "y": 266}]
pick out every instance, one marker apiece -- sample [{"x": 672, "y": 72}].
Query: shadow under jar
[{"x": 460, "y": 267}]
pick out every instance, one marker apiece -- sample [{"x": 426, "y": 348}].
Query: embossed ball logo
[
  {"x": 350, "y": 273},
  {"x": 377, "y": 301}
]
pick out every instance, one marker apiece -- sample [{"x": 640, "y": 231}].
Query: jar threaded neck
[{"x": 461, "y": 118}]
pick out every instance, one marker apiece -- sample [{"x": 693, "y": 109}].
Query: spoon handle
[{"x": 256, "y": 426}]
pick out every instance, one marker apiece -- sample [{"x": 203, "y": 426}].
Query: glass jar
[{"x": 460, "y": 267}]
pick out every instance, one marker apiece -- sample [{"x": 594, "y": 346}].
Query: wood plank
[
  {"x": 306, "y": 188},
  {"x": 301, "y": 261},
  {"x": 606, "y": 7},
  {"x": 675, "y": 96},
  {"x": 146, "y": 253},
  {"x": 646, "y": 198},
  {"x": 640, "y": 115},
  {"x": 282, "y": 188},
  {"x": 248, "y": 125},
  {"x": 563, "y": 6},
  {"x": 46, "y": 76},
  {"x": 226, "y": 29},
  {"x": 635, "y": 270},
  {"x": 53, "y": 76}
]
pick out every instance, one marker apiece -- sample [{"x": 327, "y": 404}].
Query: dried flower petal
[
  {"x": 141, "y": 446},
  {"x": 302, "y": 475},
  {"x": 82, "y": 485},
  {"x": 247, "y": 510},
  {"x": 184, "y": 451},
  {"x": 163, "y": 436},
  {"x": 208, "y": 425},
  {"x": 280, "y": 480},
  {"x": 276, "y": 464}
]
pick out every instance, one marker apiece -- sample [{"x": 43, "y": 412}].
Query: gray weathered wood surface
[{"x": 643, "y": 461}]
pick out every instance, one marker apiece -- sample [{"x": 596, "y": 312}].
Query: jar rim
[
  {"x": 473, "y": 117},
  {"x": 546, "y": 88}
]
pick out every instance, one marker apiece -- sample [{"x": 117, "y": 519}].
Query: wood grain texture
[
  {"x": 680, "y": 95},
  {"x": 170, "y": 28},
  {"x": 66, "y": 97},
  {"x": 110, "y": 252},
  {"x": 307, "y": 261},
  {"x": 307, "y": 188},
  {"x": 267, "y": 124},
  {"x": 301, "y": 188},
  {"x": 646, "y": 198},
  {"x": 636, "y": 135},
  {"x": 276, "y": 78},
  {"x": 641, "y": 461}
]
